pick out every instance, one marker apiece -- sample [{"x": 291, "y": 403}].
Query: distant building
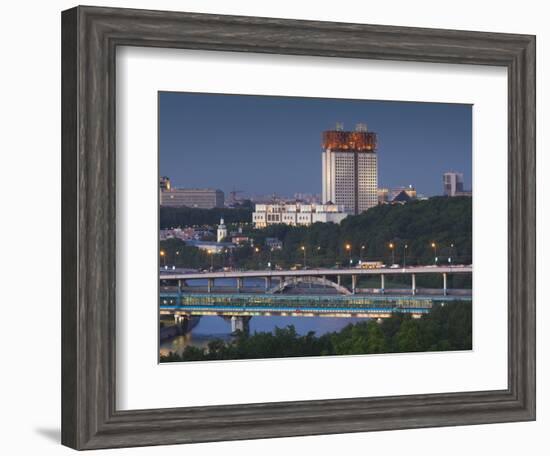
[
  {"x": 296, "y": 214},
  {"x": 453, "y": 183},
  {"x": 203, "y": 198},
  {"x": 273, "y": 243},
  {"x": 350, "y": 169},
  {"x": 164, "y": 183},
  {"x": 184, "y": 234},
  {"x": 309, "y": 198},
  {"x": 222, "y": 231},
  {"x": 383, "y": 195},
  {"x": 241, "y": 239},
  {"x": 396, "y": 194},
  {"x": 402, "y": 197},
  {"x": 210, "y": 246},
  {"x": 409, "y": 190}
]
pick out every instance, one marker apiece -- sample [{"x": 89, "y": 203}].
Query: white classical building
[{"x": 296, "y": 214}]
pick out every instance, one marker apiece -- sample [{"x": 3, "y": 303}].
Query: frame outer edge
[
  {"x": 69, "y": 229},
  {"x": 89, "y": 419},
  {"x": 529, "y": 123}
]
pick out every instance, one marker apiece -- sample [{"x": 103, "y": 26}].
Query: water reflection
[{"x": 214, "y": 327}]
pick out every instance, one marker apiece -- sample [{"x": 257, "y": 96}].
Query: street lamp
[
  {"x": 434, "y": 246},
  {"x": 303, "y": 248},
  {"x": 348, "y": 248},
  {"x": 257, "y": 250},
  {"x": 211, "y": 253},
  {"x": 391, "y": 245},
  {"x": 361, "y": 253},
  {"x": 163, "y": 256},
  {"x": 451, "y": 255},
  {"x": 175, "y": 259},
  {"x": 405, "y": 248}
]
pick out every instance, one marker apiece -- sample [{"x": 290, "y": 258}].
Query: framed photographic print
[
  {"x": 306, "y": 227},
  {"x": 285, "y": 271}
]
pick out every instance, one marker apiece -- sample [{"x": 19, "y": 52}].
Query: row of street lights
[
  {"x": 392, "y": 248},
  {"x": 163, "y": 256},
  {"x": 347, "y": 246}
]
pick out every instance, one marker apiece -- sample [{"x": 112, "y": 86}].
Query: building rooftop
[{"x": 352, "y": 141}]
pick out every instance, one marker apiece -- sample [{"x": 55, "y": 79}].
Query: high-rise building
[
  {"x": 350, "y": 169},
  {"x": 164, "y": 183},
  {"x": 204, "y": 198},
  {"x": 453, "y": 184}
]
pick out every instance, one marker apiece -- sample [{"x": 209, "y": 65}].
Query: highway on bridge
[{"x": 459, "y": 269}]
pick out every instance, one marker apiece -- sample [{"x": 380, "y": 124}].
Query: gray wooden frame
[{"x": 90, "y": 36}]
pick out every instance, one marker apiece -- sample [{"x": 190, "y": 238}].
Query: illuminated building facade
[
  {"x": 350, "y": 169},
  {"x": 164, "y": 183},
  {"x": 296, "y": 214}
]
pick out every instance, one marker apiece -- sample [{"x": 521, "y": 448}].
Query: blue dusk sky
[{"x": 265, "y": 145}]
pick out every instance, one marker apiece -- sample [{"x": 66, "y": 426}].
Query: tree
[
  {"x": 446, "y": 327},
  {"x": 376, "y": 341},
  {"x": 408, "y": 336}
]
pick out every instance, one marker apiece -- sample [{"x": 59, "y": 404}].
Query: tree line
[
  {"x": 421, "y": 232},
  {"x": 388, "y": 233},
  {"x": 175, "y": 217},
  {"x": 447, "y": 327}
]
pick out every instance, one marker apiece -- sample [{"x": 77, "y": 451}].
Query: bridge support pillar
[
  {"x": 182, "y": 322},
  {"x": 282, "y": 281},
  {"x": 267, "y": 283},
  {"x": 181, "y": 283},
  {"x": 444, "y": 284},
  {"x": 210, "y": 285},
  {"x": 382, "y": 283},
  {"x": 179, "y": 291},
  {"x": 413, "y": 289},
  {"x": 353, "y": 283},
  {"x": 239, "y": 284},
  {"x": 239, "y": 323},
  {"x": 339, "y": 280}
]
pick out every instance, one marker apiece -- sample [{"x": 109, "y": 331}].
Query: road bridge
[{"x": 326, "y": 276}]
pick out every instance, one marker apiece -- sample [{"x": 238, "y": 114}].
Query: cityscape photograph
[{"x": 294, "y": 226}]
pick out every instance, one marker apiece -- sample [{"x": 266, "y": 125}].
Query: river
[{"x": 214, "y": 327}]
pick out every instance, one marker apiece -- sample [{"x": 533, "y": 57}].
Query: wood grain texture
[{"x": 89, "y": 39}]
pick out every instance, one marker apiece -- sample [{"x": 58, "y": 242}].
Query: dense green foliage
[
  {"x": 441, "y": 220},
  {"x": 447, "y": 327},
  {"x": 174, "y": 217},
  {"x": 444, "y": 221}
]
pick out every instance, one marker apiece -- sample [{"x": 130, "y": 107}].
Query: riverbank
[
  {"x": 447, "y": 327},
  {"x": 169, "y": 330},
  {"x": 212, "y": 328}
]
